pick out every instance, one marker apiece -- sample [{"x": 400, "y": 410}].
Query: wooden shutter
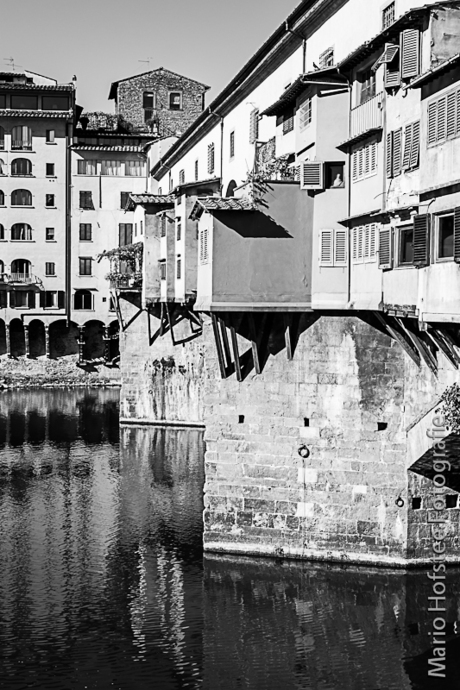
[
  {"x": 360, "y": 242},
  {"x": 355, "y": 164},
  {"x": 432, "y": 117},
  {"x": 389, "y": 154},
  {"x": 129, "y": 233},
  {"x": 397, "y": 152},
  {"x": 457, "y": 234},
  {"x": 12, "y": 298},
  {"x": 392, "y": 71},
  {"x": 31, "y": 299},
  {"x": 340, "y": 248},
  {"x": 410, "y": 53},
  {"x": 61, "y": 297},
  {"x": 355, "y": 244},
  {"x": 458, "y": 112},
  {"x": 254, "y": 126},
  {"x": 372, "y": 239},
  {"x": 366, "y": 242},
  {"x": 421, "y": 239},
  {"x": 407, "y": 147},
  {"x": 385, "y": 253},
  {"x": 373, "y": 148},
  {"x": 312, "y": 176},
  {"x": 415, "y": 149},
  {"x": 326, "y": 257},
  {"x": 121, "y": 235},
  {"x": 451, "y": 124},
  {"x": 360, "y": 162},
  {"x": 441, "y": 120},
  {"x": 42, "y": 300}
]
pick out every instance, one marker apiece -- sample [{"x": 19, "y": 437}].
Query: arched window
[
  {"x": 2, "y": 167},
  {"x": 20, "y": 270},
  {"x": 21, "y": 166},
  {"x": 2, "y": 198},
  {"x": 2, "y": 138},
  {"x": 2, "y": 232},
  {"x": 21, "y": 231},
  {"x": 21, "y": 197},
  {"x": 21, "y": 138},
  {"x": 231, "y": 188},
  {"x": 83, "y": 299}
]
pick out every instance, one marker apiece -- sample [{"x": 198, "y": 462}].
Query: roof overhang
[
  {"x": 197, "y": 184},
  {"x": 212, "y": 204},
  {"x": 322, "y": 77},
  {"x": 166, "y": 200},
  {"x": 434, "y": 72}
]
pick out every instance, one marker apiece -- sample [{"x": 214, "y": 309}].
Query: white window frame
[
  {"x": 368, "y": 146},
  {"x": 438, "y": 216},
  {"x": 364, "y": 243},
  {"x": 334, "y": 262},
  {"x": 305, "y": 114}
]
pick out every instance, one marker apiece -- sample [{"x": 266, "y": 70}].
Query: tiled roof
[
  {"x": 219, "y": 203},
  {"x": 160, "y": 199},
  {"x": 434, "y": 72},
  {"x": 7, "y": 112},
  {"x": 88, "y": 147},
  {"x": 290, "y": 94},
  {"x": 198, "y": 183},
  {"x": 114, "y": 85},
  {"x": 35, "y": 87}
]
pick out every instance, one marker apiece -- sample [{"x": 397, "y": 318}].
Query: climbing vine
[{"x": 451, "y": 408}]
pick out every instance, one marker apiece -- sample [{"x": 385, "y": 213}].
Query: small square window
[
  {"x": 85, "y": 266},
  {"x": 86, "y": 233},
  {"x": 50, "y": 170},
  {"x": 451, "y": 500},
  {"x": 334, "y": 175},
  {"x": 416, "y": 503},
  {"x": 86, "y": 201},
  {"x": 388, "y": 15},
  {"x": 175, "y": 100},
  {"x": 50, "y": 136},
  {"x": 50, "y": 269},
  {"x": 446, "y": 236},
  {"x": 49, "y": 200},
  {"x": 49, "y": 234},
  {"x": 232, "y": 144},
  {"x": 406, "y": 245}
]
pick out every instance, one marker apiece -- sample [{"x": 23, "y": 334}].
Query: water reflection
[{"x": 103, "y": 582}]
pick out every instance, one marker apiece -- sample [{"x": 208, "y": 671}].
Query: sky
[{"x": 101, "y": 41}]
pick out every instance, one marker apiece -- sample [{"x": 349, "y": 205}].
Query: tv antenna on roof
[
  {"x": 147, "y": 61},
  {"x": 10, "y": 62}
]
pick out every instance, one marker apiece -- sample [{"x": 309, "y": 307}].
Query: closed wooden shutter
[
  {"x": 458, "y": 112},
  {"x": 421, "y": 239},
  {"x": 340, "y": 248},
  {"x": 410, "y": 53},
  {"x": 372, "y": 240},
  {"x": 457, "y": 234},
  {"x": 392, "y": 73},
  {"x": 373, "y": 148},
  {"x": 355, "y": 165},
  {"x": 385, "y": 253},
  {"x": 61, "y": 297},
  {"x": 360, "y": 162},
  {"x": 121, "y": 235},
  {"x": 415, "y": 150},
  {"x": 441, "y": 124},
  {"x": 432, "y": 118},
  {"x": 397, "y": 152},
  {"x": 360, "y": 242},
  {"x": 129, "y": 233},
  {"x": 204, "y": 246},
  {"x": 389, "y": 154},
  {"x": 254, "y": 126},
  {"x": 355, "y": 244},
  {"x": 407, "y": 146},
  {"x": 312, "y": 175},
  {"x": 451, "y": 114},
  {"x": 366, "y": 247},
  {"x": 326, "y": 256}
]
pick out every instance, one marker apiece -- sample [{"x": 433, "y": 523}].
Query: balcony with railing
[
  {"x": 23, "y": 278},
  {"x": 366, "y": 117},
  {"x": 20, "y": 145}
]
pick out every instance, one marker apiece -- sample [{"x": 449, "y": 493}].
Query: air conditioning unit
[{"x": 312, "y": 175}]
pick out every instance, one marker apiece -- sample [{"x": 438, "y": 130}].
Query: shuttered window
[
  {"x": 163, "y": 225},
  {"x": 394, "y": 153},
  {"x": 211, "y": 158},
  {"x": 421, "y": 240},
  {"x": 162, "y": 265},
  {"x": 392, "y": 76},
  {"x": 125, "y": 234},
  {"x": 312, "y": 175},
  {"x": 196, "y": 170},
  {"x": 204, "y": 256},
  {"x": 457, "y": 234},
  {"x": 444, "y": 118},
  {"x": 385, "y": 248},
  {"x": 364, "y": 161},
  {"x": 364, "y": 243},
  {"x": 179, "y": 268},
  {"x": 254, "y": 126},
  {"x": 410, "y": 53},
  {"x": 333, "y": 247},
  {"x": 411, "y": 146}
]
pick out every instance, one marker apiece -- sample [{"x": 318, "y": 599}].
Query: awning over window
[{"x": 387, "y": 56}]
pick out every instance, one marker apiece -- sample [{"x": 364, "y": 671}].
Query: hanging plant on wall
[
  {"x": 450, "y": 408},
  {"x": 126, "y": 264}
]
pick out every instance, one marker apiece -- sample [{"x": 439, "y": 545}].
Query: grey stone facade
[{"x": 134, "y": 105}]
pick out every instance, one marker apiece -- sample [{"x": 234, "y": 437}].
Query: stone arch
[
  {"x": 231, "y": 188},
  {"x": 94, "y": 344},
  {"x": 37, "y": 342},
  {"x": 17, "y": 340},
  {"x": 2, "y": 337},
  {"x": 63, "y": 338}
]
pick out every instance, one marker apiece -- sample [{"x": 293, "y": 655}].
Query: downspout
[
  {"x": 221, "y": 155},
  {"x": 68, "y": 233},
  {"x": 350, "y": 91},
  {"x": 304, "y": 45}
]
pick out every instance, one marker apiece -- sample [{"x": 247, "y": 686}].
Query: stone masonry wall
[
  {"x": 161, "y": 82},
  {"x": 348, "y": 396}
]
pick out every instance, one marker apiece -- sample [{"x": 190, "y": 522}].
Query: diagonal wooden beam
[
  {"x": 288, "y": 335},
  {"x": 438, "y": 339},
  {"x": 220, "y": 352},
  {"x": 254, "y": 342},
  {"x": 236, "y": 354},
  {"x": 170, "y": 322},
  {"x": 422, "y": 347},
  {"x": 403, "y": 341},
  {"x": 225, "y": 343}
]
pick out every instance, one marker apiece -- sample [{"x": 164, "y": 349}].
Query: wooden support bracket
[
  {"x": 220, "y": 353},
  {"x": 236, "y": 354},
  {"x": 422, "y": 347},
  {"x": 444, "y": 344},
  {"x": 400, "y": 338},
  {"x": 255, "y": 339},
  {"x": 225, "y": 343}
]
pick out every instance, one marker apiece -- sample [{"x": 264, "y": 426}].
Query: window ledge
[
  {"x": 19, "y": 175},
  {"x": 51, "y": 241},
  {"x": 51, "y": 177},
  {"x": 21, "y": 206},
  {"x": 83, "y": 309},
  {"x": 22, "y": 241},
  {"x": 53, "y": 207},
  {"x": 22, "y": 151},
  {"x": 51, "y": 143}
]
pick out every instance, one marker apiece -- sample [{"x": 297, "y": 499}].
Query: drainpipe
[
  {"x": 221, "y": 155},
  {"x": 304, "y": 45},
  {"x": 68, "y": 233}
]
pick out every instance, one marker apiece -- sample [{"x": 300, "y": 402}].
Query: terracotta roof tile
[
  {"x": 63, "y": 114},
  {"x": 160, "y": 199},
  {"x": 88, "y": 147},
  {"x": 218, "y": 203}
]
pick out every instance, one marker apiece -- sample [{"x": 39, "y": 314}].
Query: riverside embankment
[{"x": 21, "y": 372}]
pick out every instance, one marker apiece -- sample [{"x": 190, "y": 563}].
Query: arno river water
[{"x": 103, "y": 582}]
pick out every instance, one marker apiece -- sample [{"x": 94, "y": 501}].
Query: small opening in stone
[
  {"x": 306, "y": 421},
  {"x": 416, "y": 503},
  {"x": 241, "y": 419},
  {"x": 381, "y": 426},
  {"x": 451, "y": 501},
  {"x": 413, "y": 628}
]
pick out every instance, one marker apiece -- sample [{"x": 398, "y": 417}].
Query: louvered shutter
[
  {"x": 389, "y": 154},
  {"x": 397, "y": 152},
  {"x": 407, "y": 146},
  {"x": 366, "y": 242},
  {"x": 367, "y": 160},
  {"x": 253, "y": 126},
  {"x": 312, "y": 175},
  {"x": 451, "y": 114},
  {"x": 441, "y": 124},
  {"x": 355, "y": 165},
  {"x": 326, "y": 256},
  {"x": 432, "y": 117},
  {"x": 373, "y": 148},
  {"x": 12, "y": 298},
  {"x": 457, "y": 234},
  {"x": 340, "y": 248},
  {"x": 373, "y": 230},
  {"x": 415, "y": 150},
  {"x": 129, "y": 233},
  {"x": 458, "y": 112},
  {"x": 42, "y": 300},
  {"x": 61, "y": 297},
  {"x": 392, "y": 72},
  {"x": 421, "y": 239},
  {"x": 360, "y": 242},
  {"x": 385, "y": 253},
  {"x": 410, "y": 53},
  {"x": 121, "y": 235},
  {"x": 355, "y": 244},
  {"x": 204, "y": 246},
  {"x": 360, "y": 162}
]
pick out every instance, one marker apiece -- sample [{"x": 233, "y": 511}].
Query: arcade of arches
[{"x": 93, "y": 341}]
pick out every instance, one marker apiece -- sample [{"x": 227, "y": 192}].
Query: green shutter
[{"x": 421, "y": 240}]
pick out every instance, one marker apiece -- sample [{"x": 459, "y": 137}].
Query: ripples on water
[{"x": 103, "y": 582}]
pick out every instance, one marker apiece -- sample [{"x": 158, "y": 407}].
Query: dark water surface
[{"x": 103, "y": 583}]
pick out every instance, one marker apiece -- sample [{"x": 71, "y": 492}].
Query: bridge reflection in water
[{"x": 103, "y": 582}]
